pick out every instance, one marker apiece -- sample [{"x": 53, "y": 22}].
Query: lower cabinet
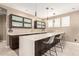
[
  {"x": 37, "y": 48},
  {"x": 14, "y": 42},
  {"x": 40, "y": 47}
]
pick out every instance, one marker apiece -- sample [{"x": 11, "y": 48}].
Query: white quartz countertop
[
  {"x": 27, "y": 33},
  {"x": 40, "y": 36}
]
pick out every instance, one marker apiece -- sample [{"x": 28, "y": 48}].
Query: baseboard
[{"x": 75, "y": 43}]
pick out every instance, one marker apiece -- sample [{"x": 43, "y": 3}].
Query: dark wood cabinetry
[
  {"x": 39, "y": 25},
  {"x": 39, "y": 48},
  {"x": 14, "y": 42},
  {"x": 16, "y": 21}
]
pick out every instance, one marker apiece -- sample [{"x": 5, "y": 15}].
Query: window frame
[
  {"x": 60, "y": 25},
  {"x": 65, "y": 22},
  {"x": 52, "y": 23}
]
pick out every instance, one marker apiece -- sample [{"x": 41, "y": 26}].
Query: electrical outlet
[{"x": 75, "y": 40}]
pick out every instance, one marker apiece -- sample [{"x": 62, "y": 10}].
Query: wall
[
  {"x": 71, "y": 32},
  {"x": 4, "y": 26},
  {"x": 1, "y": 29}
]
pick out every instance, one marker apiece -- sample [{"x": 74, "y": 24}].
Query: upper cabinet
[
  {"x": 27, "y": 22},
  {"x": 39, "y": 25},
  {"x": 43, "y": 25},
  {"x": 17, "y": 18},
  {"x": 16, "y": 21},
  {"x": 19, "y": 22}
]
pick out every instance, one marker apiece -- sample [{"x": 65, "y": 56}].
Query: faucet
[{"x": 43, "y": 30}]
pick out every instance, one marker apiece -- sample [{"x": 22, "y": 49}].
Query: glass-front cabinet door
[
  {"x": 39, "y": 25},
  {"x": 17, "y": 24},
  {"x": 43, "y": 25},
  {"x": 27, "y": 25},
  {"x": 27, "y": 22},
  {"x": 17, "y": 18},
  {"x": 16, "y": 21}
]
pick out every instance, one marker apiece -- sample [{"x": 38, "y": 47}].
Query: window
[
  {"x": 65, "y": 21},
  {"x": 50, "y": 23},
  {"x": 57, "y": 22}
]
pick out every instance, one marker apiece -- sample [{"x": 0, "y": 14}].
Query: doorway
[{"x": 3, "y": 13}]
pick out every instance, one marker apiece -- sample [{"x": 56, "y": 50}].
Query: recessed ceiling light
[
  {"x": 53, "y": 13},
  {"x": 52, "y": 9},
  {"x": 47, "y": 8},
  {"x": 73, "y": 8}
]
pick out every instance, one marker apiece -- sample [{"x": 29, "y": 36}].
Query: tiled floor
[
  {"x": 70, "y": 49},
  {"x": 5, "y": 50}
]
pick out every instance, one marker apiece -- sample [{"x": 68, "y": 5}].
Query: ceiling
[
  {"x": 2, "y": 11},
  {"x": 42, "y": 12}
]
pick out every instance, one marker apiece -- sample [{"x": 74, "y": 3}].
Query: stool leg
[
  {"x": 55, "y": 51},
  {"x": 50, "y": 52},
  {"x": 61, "y": 46}
]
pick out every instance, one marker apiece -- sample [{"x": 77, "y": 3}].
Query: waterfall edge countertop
[
  {"x": 40, "y": 36},
  {"x": 27, "y": 43}
]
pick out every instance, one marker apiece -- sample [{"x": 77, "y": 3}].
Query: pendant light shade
[
  {"x": 47, "y": 12},
  {"x": 35, "y": 13}
]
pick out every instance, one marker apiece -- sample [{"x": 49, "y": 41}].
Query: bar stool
[
  {"x": 61, "y": 43},
  {"x": 48, "y": 45}
]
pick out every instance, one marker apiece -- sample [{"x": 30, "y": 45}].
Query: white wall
[{"x": 71, "y": 32}]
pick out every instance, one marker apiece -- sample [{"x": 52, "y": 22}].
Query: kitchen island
[
  {"x": 14, "y": 38},
  {"x": 27, "y": 43}
]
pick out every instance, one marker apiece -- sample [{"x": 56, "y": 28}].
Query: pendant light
[
  {"x": 35, "y": 10},
  {"x": 47, "y": 12},
  {"x": 35, "y": 13}
]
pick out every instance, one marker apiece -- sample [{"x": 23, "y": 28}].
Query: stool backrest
[
  {"x": 51, "y": 39},
  {"x": 61, "y": 36}
]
